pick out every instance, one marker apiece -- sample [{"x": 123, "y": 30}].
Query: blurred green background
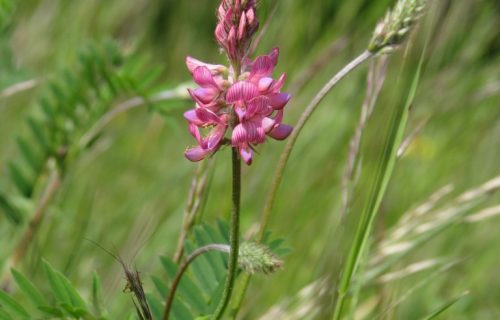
[{"x": 129, "y": 191}]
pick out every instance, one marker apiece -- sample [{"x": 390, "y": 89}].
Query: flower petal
[
  {"x": 193, "y": 63},
  {"x": 241, "y": 91},
  {"x": 197, "y": 154},
  {"x": 259, "y": 105},
  {"x": 239, "y": 135},
  {"x": 265, "y": 83},
  {"x": 263, "y": 66},
  {"x": 279, "y": 100},
  {"x": 280, "y": 132},
  {"x": 206, "y": 116},
  {"x": 191, "y": 116},
  {"x": 203, "y": 77},
  {"x": 246, "y": 154},
  {"x": 274, "y": 55},
  {"x": 205, "y": 95},
  {"x": 278, "y": 84}
]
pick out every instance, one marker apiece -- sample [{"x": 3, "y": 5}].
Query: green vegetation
[{"x": 424, "y": 217}]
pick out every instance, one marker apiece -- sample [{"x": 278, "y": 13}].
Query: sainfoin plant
[{"x": 239, "y": 104}]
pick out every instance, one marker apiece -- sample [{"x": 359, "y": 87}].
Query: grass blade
[
  {"x": 446, "y": 306},
  {"x": 382, "y": 177}
]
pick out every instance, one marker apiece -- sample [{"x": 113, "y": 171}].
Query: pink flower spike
[{"x": 281, "y": 132}]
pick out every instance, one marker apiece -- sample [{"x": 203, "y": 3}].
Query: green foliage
[
  {"x": 6, "y": 9},
  {"x": 63, "y": 300},
  {"x": 73, "y": 102},
  {"x": 201, "y": 286}
]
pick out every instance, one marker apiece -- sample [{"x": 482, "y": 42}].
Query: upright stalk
[{"x": 234, "y": 237}]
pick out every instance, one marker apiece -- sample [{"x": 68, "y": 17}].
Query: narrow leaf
[
  {"x": 446, "y": 306},
  {"x": 12, "y": 307},
  {"x": 28, "y": 289}
]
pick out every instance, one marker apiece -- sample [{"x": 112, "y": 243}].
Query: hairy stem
[
  {"x": 278, "y": 176},
  {"x": 182, "y": 269},
  {"x": 234, "y": 237}
]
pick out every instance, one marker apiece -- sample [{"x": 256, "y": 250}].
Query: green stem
[
  {"x": 278, "y": 176},
  {"x": 234, "y": 237},
  {"x": 182, "y": 269}
]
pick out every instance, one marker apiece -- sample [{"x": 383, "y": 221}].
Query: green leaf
[
  {"x": 155, "y": 306},
  {"x": 57, "y": 285},
  {"x": 4, "y": 315},
  {"x": 12, "y": 307},
  {"x": 51, "y": 311},
  {"x": 96, "y": 293},
  {"x": 180, "y": 311},
  {"x": 202, "y": 271},
  {"x": 21, "y": 182},
  {"x": 446, "y": 306},
  {"x": 38, "y": 133},
  {"x": 187, "y": 288},
  {"x": 28, "y": 154},
  {"x": 384, "y": 171},
  {"x": 28, "y": 289},
  {"x": 160, "y": 286},
  {"x": 9, "y": 211}
]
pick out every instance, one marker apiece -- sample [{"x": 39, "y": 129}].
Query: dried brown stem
[
  {"x": 198, "y": 187},
  {"x": 26, "y": 240}
]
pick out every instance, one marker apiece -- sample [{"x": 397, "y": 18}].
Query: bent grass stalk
[
  {"x": 278, "y": 176},
  {"x": 383, "y": 175},
  {"x": 182, "y": 269}
]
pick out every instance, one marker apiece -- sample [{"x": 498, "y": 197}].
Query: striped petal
[{"x": 241, "y": 91}]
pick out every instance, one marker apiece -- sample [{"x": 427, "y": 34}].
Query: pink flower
[
  {"x": 236, "y": 25},
  {"x": 203, "y": 118},
  {"x": 249, "y": 101}
]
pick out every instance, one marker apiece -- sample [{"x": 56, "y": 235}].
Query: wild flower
[{"x": 243, "y": 97}]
